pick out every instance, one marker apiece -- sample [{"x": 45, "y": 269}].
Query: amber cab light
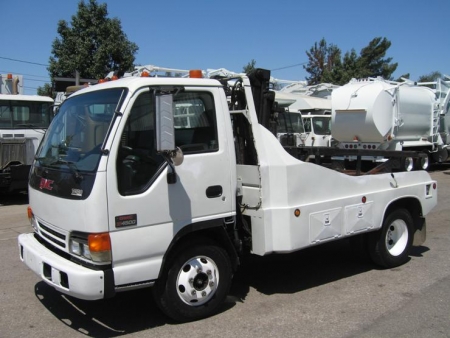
[
  {"x": 196, "y": 73},
  {"x": 99, "y": 242},
  {"x": 145, "y": 74}
]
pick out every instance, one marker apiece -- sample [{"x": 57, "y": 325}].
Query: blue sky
[{"x": 214, "y": 34}]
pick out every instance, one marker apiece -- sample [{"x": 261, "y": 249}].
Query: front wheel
[
  {"x": 390, "y": 246},
  {"x": 195, "y": 284}
]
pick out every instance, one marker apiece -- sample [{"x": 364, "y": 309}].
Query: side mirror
[
  {"x": 165, "y": 130},
  {"x": 165, "y": 134}
]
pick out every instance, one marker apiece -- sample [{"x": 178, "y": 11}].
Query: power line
[
  {"x": 292, "y": 66},
  {"x": 9, "y": 71},
  {"x": 36, "y": 80},
  {"x": 16, "y": 60}
]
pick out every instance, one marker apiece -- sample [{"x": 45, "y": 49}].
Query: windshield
[
  {"x": 290, "y": 123},
  {"x": 17, "y": 114},
  {"x": 77, "y": 132},
  {"x": 321, "y": 125}
]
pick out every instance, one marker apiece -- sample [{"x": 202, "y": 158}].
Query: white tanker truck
[{"x": 376, "y": 114}]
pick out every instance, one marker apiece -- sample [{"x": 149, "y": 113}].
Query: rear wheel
[
  {"x": 195, "y": 284},
  {"x": 422, "y": 162},
  {"x": 390, "y": 246}
]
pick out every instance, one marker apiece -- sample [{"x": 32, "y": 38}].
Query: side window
[
  {"x": 195, "y": 122},
  {"x": 5, "y": 116},
  {"x": 307, "y": 125},
  {"x": 138, "y": 163}
]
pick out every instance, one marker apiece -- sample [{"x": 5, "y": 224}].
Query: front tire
[
  {"x": 195, "y": 284},
  {"x": 390, "y": 246}
]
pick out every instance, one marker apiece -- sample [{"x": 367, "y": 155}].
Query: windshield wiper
[{"x": 71, "y": 165}]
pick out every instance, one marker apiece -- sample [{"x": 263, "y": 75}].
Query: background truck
[
  {"x": 384, "y": 115},
  {"x": 23, "y": 122},
  {"x": 123, "y": 196}
]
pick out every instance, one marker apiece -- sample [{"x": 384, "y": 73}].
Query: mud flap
[{"x": 420, "y": 234}]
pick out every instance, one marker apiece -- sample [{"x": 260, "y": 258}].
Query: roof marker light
[{"x": 195, "y": 73}]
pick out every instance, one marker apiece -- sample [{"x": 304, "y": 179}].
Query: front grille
[
  {"x": 52, "y": 236},
  {"x": 16, "y": 150}
]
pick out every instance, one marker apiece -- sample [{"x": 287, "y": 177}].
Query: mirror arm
[{"x": 171, "y": 175}]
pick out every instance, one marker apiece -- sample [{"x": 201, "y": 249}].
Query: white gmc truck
[{"x": 166, "y": 182}]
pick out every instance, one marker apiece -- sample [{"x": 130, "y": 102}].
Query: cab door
[{"x": 145, "y": 211}]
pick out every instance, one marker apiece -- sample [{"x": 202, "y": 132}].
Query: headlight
[{"x": 95, "y": 247}]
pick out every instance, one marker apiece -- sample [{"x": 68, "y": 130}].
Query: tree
[
  {"x": 431, "y": 77},
  {"x": 45, "y": 90},
  {"x": 322, "y": 59},
  {"x": 92, "y": 44},
  {"x": 326, "y": 65},
  {"x": 372, "y": 63},
  {"x": 249, "y": 66}
]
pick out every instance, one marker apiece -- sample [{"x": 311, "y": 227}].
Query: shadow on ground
[
  {"x": 135, "y": 311},
  {"x": 17, "y": 198}
]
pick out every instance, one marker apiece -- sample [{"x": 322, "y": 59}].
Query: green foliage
[
  {"x": 372, "y": 63},
  {"x": 45, "y": 90},
  {"x": 249, "y": 66},
  {"x": 92, "y": 44},
  {"x": 326, "y": 65},
  {"x": 323, "y": 59},
  {"x": 431, "y": 77}
]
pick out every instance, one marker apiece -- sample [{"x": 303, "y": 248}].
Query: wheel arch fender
[
  {"x": 414, "y": 207},
  {"x": 211, "y": 231}
]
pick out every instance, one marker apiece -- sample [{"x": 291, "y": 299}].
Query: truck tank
[{"x": 378, "y": 111}]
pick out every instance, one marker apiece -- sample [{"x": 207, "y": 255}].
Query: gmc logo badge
[{"x": 46, "y": 184}]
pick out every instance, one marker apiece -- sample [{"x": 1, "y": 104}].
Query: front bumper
[{"x": 65, "y": 276}]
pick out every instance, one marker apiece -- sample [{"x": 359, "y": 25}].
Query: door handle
[{"x": 214, "y": 191}]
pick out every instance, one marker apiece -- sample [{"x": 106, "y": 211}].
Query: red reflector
[
  {"x": 434, "y": 186},
  {"x": 364, "y": 199}
]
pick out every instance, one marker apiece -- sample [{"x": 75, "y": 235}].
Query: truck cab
[
  {"x": 23, "y": 122},
  {"x": 318, "y": 130}
]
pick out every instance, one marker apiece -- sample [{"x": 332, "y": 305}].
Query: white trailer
[
  {"x": 383, "y": 115},
  {"x": 121, "y": 197},
  {"x": 23, "y": 122}
]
